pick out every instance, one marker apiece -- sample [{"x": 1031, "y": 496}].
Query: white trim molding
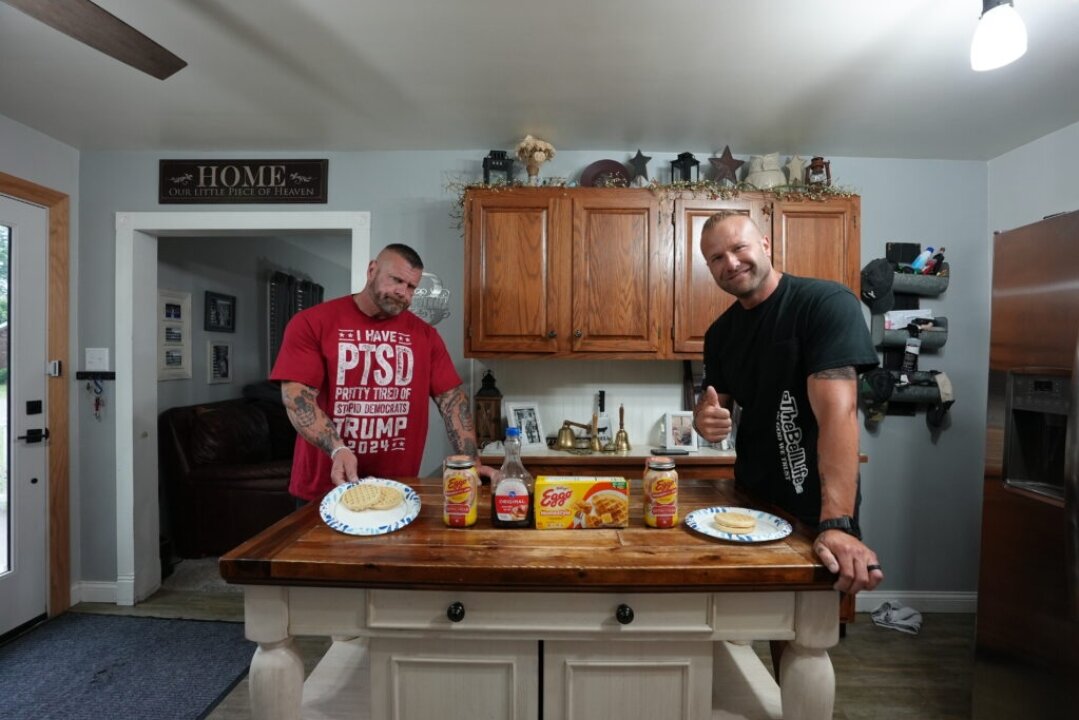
[{"x": 921, "y": 600}]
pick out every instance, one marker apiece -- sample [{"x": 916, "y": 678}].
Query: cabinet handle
[
  {"x": 455, "y": 612},
  {"x": 624, "y": 614},
  {"x": 552, "y": 334},
  {"x": 577, "y": 333}
]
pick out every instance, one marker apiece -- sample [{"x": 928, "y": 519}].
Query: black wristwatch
[{"x": 845, "y": 523}]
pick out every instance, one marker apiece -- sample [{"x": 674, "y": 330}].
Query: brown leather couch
[{"x": 224, "y": 469}]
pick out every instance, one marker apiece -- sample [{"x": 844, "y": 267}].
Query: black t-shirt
[{"x": 762, "y": 358}]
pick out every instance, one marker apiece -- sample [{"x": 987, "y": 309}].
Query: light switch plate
[{"x": 97, "y": 359}]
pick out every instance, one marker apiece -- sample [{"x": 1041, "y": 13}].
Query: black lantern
[
  {"x": 497, "y": 162},
  {"x": 488, "y": 412},
  {"x": 682, "y": 167}
]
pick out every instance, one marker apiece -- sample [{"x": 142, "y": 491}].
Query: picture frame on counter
[
  {"x": 525, "y": 417},
  {"x": 679, "y": 431}
]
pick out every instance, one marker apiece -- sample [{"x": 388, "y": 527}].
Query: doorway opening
[{"x": 138, "y": 568}]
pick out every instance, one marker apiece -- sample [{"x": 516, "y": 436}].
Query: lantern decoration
[
  {"x": 488, "y": 411},
  {"x": 819, "y": 172},
  {"x": 497, "y": 162},
  {"x": 682, "y": 168}
]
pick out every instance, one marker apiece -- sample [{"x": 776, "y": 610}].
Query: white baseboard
[
  {"x": 920, "y": 600},
  {"x": 102, "y": 592}
]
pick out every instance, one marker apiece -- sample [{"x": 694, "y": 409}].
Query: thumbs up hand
[{"x": 712, "y": 420}]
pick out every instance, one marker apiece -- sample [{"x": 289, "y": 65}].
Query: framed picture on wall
[
  {"x": 173, "y": 335},
  {"x": 525, "y": 417},
  {"x": 218, "y": 362},
  {"x": 220, "y": 312}
]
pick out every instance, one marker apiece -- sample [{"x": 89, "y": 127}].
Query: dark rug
[{"x": 103, "y": 667}]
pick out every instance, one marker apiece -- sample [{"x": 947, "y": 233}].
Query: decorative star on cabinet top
[
  {"x": 726, "y": 166},
  {"x": 640, "y": 165},
  {"x": 796, "y": 170}
]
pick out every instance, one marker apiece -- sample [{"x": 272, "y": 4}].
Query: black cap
[{"x": 877, "y": 279}]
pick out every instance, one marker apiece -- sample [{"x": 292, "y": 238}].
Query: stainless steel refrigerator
[{"x": 1027, "y": 589}]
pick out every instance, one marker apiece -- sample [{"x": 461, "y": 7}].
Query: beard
[
  {"x": 389, "y": 304},
  {"x": 743, "y": 284}
]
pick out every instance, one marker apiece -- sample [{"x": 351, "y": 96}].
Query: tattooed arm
[
  {"x": 315, "y": 427},
  {"x": 833, "y": 396},
  {"x": 453, "y": 405}
]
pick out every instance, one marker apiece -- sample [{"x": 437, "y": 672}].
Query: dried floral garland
[{"x": 666, "y": 192}]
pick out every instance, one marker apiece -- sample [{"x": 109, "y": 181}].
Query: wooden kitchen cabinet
[
  {"x": 557, "y": 271},
  {"x": 606, "y": 273},
  {"x": 811, "y": 238},
  {"x": 818, "y": 239}
]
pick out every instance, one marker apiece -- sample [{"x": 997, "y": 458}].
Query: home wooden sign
[{"x": 242, "y": 181}]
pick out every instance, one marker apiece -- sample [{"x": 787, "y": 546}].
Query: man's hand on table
[{"x": 851, "y": 559}]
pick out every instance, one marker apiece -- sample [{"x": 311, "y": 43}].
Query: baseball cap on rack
[{"x": 877, "y": 279}]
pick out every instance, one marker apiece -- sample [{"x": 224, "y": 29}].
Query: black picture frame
[{"x": 220, "y": 312}]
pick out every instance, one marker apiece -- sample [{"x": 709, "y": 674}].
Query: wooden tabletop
[{"x": 302, "y": 550}]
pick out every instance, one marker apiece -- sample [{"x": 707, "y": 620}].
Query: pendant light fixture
[{"x": 1000, "y": 38}]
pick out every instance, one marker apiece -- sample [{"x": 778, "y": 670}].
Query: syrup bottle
[{"x": 511, "y": 491}]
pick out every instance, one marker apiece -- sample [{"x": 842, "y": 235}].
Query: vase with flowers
[{"x": 533, "y": 152}]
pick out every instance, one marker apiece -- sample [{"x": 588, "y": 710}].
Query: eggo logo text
[{"x": 555, "y": 497}]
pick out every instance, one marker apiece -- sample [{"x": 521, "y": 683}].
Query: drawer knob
[
  {"x": 455, "y": 612},
  {"x": 624, "y": 614},
  {"x": 577, "y": 333},
  {"x": 552, "y": 334}
]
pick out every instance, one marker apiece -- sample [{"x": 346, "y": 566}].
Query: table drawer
[{"x": 548, "y": 613}]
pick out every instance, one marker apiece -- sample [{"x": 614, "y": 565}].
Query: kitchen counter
[
  {"x": 633, "y": 623},
  {"x": 706, "y": 463}
]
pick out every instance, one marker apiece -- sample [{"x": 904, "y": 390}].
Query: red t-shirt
[{"x": 374, "y": 378}]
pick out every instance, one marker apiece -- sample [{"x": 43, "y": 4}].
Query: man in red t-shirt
[{"x": 356, "y": 373}]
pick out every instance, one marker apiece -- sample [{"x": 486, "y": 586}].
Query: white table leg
[
  {"x": 807, "y": 684},
  {"x": 806, "y": 677},
  {"x": 276, "y": 681}
]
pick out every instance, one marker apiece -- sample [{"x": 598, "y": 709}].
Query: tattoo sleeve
[
  {"x": 307, "y": 417},
  {"x": 453, "y": 405}
]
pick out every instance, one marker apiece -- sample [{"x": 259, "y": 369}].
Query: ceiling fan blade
[{"x": 101, "y": 30}]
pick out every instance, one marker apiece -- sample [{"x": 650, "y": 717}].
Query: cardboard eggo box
[{"x": 568, "y": 501}]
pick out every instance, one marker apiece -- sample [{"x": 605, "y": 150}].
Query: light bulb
[{"x": 1000, "y": 38}]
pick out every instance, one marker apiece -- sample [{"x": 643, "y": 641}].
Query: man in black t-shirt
[{"x": 788, "y": 352}]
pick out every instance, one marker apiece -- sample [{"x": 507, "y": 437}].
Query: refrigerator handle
[{"x": 1071, "y": 491}]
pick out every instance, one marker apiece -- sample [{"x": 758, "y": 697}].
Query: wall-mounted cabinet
[{"x": 614, "y": 273}]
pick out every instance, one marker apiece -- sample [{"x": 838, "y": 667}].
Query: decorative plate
[
  {"x": 769, "y": 527},
  {"x": 369, "y": 522},
  {"x": 594, "y": 174}
]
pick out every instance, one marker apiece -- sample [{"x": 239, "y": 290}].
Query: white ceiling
[{"x": 831, "y": 77}]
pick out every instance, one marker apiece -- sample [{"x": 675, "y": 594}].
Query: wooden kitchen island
[{"x": 431, "y": 622}]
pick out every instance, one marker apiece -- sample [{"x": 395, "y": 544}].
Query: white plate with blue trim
[
  {"x": 769, "y": 527},
  {"x": 369, "y": 522}
]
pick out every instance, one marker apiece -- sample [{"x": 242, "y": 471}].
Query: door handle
[{"x": 35, "y": 435}]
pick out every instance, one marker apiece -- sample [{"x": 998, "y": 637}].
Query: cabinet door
[
  {"x": 698, "y": 301},
  {"x": 818, "y": 239},
  {"x": 453, "y": 679},
  {"x": 627, "y": 680},
  {"x": 619, "y": 275},
  {"x": 516, "y": 259}
]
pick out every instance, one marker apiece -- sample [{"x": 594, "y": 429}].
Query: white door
[{"x": 24, "y": 256}]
